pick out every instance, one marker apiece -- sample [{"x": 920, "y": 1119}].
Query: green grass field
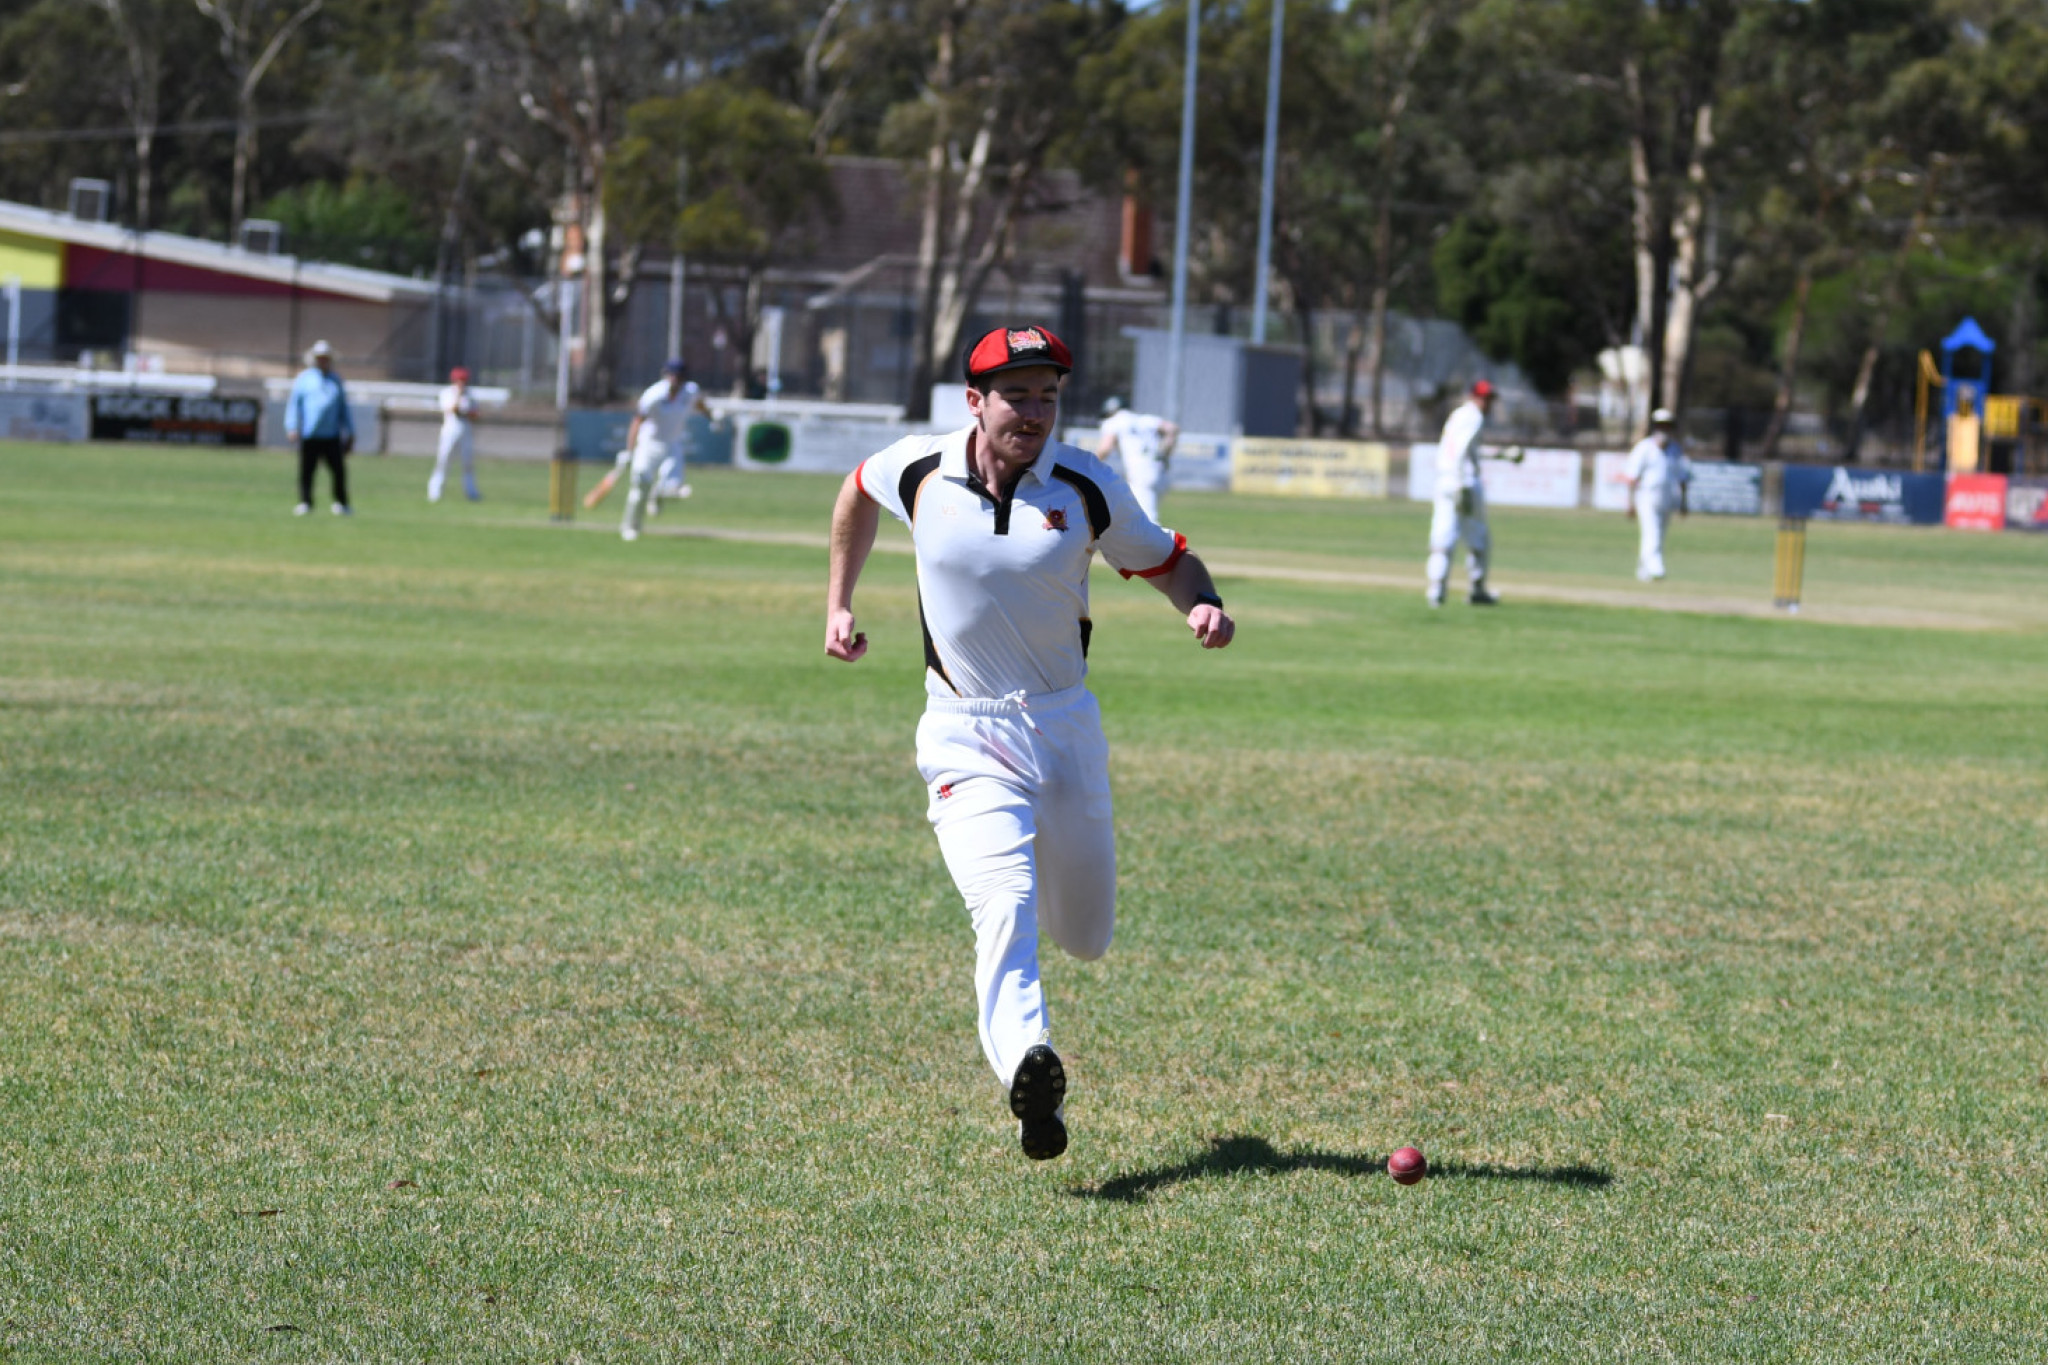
[{"x": 440, "y": 935}]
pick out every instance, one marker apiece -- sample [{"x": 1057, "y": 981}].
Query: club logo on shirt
[
  {"x": 1056, "y": 519},
  {"x": 1029, "y": 339},
  {"x": 945, "y": 790}
]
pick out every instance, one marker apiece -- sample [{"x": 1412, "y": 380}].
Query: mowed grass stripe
[{"x": 451, "y": 938}]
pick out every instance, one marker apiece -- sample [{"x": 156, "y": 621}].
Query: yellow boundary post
[{"x": 1790, "y": 567}]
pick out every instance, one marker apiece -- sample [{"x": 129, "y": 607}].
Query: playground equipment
[{"x": 1971, "y": 414}]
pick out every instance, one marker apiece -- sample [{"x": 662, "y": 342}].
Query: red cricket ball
[{"x": 1408, "y": 1165}]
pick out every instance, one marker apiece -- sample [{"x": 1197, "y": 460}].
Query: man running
[
  {"x": 1144, "y": 442},
  {"x": 1005, "y": 522},
  {"x": 658, "y": 436},
  {"x": 1657, "y": 474},
  {"x": 1460, "y": 512}
]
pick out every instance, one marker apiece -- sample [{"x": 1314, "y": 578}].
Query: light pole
[
  {"x": 1183, "y": 210},
  {"x": 1266, "y": 173}
]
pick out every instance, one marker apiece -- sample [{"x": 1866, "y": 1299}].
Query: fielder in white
[
  {"x": 1460, "y": 511},
  {"x": 1005, "y": 522},
  {"x": 1144, "y": 443},
  {"x": 1657, "y": 474},
  {"x": 458, "y": 433},
  {"x": 656, "y": 443}
]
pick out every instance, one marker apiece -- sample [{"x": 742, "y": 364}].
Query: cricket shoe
[
  {"x": 629, "y": 534},
  {"x": 342, "y": 509},
  {"x": 1435, "y": 597},
  {"x": 302, "y": 509},
  {"x": 1480, "y": 597},
  {"x": 1038, "y": 1092}
]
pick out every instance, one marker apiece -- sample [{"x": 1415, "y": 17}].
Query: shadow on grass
[{"x": 1233, "y": 1155}]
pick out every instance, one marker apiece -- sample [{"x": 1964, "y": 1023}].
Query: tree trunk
[
  {"x": 1694, "y": 278},
  {"x": 1306, "y": 316},
  {"x": 917, "y": 404},
  {"x": 145, "y": 153},
  {"x": 950, "y": 306},
  {"x": 245, "y": 152},
  {"x": 1646, "y": 234},
  {"x": 597, "y": 330},
  {"x": 1866, "y": 370},
  {"x": 1354, "y": 344},
  {"x": 1788, "y": 365},
  {"x": 1398, "y": 97}
]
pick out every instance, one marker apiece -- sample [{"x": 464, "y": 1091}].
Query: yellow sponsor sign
[{"x": 1309, "y": 469}]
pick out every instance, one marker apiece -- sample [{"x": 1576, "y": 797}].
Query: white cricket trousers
[
  {"x": 464, "y": 440},
  {"x": 1144, "y": 473},
  {"x": 1020, "y": 801},
  {"x": 1653, "y": 519},
  {"x": 1447, "y": 527},
  {"x": 647, "y": 462}
]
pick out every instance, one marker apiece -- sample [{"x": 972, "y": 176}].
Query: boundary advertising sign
[
  {"x": 1309, "y": 469},
  {"x": 1834, "y": 493},
  {"x": 2026, "y": 505},
  {"x": 43, "y": 417},
  {"x": 1544, "y": 478},
  {"x": 1976, "y": 502},
  {"x": 1721, "y": 489},
  {"x": 174, "y": 420}
]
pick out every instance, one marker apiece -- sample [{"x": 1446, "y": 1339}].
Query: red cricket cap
[
  {"x": 1482, "y": 389},
  {"x": 458, "y": 375},
  {"x": 1014, "y": 348}
]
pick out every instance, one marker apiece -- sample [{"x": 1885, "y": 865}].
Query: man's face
[
  {"x": 323, "y": 363},
  {"x": 1485, "y": 402},
  {"x": 1017, "y": 414},
  {"x": 675, "y": 383}
]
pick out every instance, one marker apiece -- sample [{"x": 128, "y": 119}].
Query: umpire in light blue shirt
[{"x": 317, "y": 417}]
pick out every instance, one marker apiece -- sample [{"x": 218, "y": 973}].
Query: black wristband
[{"x": 1208, "y": 599}]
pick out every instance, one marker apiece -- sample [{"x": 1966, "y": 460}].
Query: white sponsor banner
[
  {"x": 1610, "y": 489},
  {"x": 1199, "y": 460},
  {"x": 44, "y": 417},
  {"x": 1544, "y": 478}
]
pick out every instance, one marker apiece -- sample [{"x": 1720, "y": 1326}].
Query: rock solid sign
[
  {"x": 175, "y": 420},
  {"x": 1976, "y": 502},
  {"x": 1309, "y": 469},
  {"x": 1835, "y": 493}
]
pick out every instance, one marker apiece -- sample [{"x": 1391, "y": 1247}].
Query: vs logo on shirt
[{"x": 1056, "y": 519}]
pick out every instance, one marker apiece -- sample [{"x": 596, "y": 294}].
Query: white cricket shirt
[
  {"x": 1658, "y": 470},
  {"x": 1457, "y": 451},
  {"x": 1002, "y": 575},
  {"x": 457, "y": 407},
  {"x": 665, "y": 420},
  {"x": 1137, "y": 434}
]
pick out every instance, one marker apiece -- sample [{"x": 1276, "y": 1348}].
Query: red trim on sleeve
[
  {"x": 1180, "y": 547},
  {"x": 860, "y": 477}
]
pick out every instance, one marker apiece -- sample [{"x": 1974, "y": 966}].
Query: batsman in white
[
  {"x": 1005, "y": 522},
  {"x": 1145, "y": 444},
  {"x": 458, "y": 433},
  {"x": 1460, "y": 511},
  {"x": 1657, "y": 474},
  {"x": 657, "y": 438}
]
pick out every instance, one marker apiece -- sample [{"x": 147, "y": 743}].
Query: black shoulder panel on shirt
[
  {"x": 914, "y": 474},
  {"x": 1091, "y": 493}
]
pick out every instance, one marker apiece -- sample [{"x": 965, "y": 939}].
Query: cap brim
[{"x": 1025, "y": 363}]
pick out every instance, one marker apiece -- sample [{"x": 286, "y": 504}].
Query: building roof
[{"x": 175, "y": 261}]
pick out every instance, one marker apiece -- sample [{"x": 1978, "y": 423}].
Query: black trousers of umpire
[{"x": 315, "y": 451}]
